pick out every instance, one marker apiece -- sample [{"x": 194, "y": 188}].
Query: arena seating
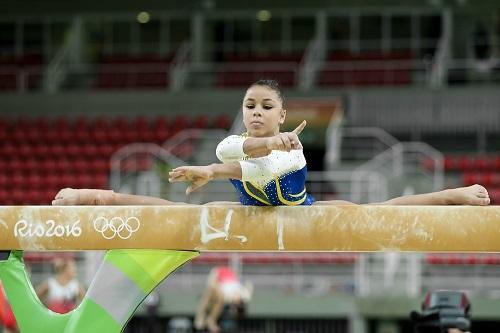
[
  {"x": 133, "y": 72},
  {"x": 463, "y": 259},
  {"x": 20, "y": 72},
  {"x": 238, "y": 70},
  {"x": 474, "y": 169},
  {"x": 368, "y": 68},
  {"x": 39, "y": 157}
]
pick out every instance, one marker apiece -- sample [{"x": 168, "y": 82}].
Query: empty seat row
[
  {"x": 467, "y": 162},
  {"x": 36, "y": 181},
  {"x": 57, "y": 151},
  {"x": 281, "y": 258},
  {"x": 366, "y": 68},
  {"x": 89, "y": 136},
  {"x": 133, "y": 71},
  {"x": 32, "y": 171},
  {"x": 22, "y": 72},
  {"x": 46, "y": 125},
  {"x": 240, "y": 70},
  {"x": 463, "y": 259},
  {"x": 484, "y": 178}
]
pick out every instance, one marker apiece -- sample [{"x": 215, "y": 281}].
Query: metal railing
[
  {"x": 142, "y": 168},
  {"x": 403, "y": 163},
  {"x": 310, "y": 64},
  {"x": 364, "y": 143}
]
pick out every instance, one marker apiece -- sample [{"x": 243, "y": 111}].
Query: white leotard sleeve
[
  {"x": 231, "y": 149},
  {"x": 276, "y": 164}
]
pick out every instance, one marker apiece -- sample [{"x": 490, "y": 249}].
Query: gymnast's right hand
[
  {"x": 73, "y": 197},
  {"x": 286, "y": 141}
]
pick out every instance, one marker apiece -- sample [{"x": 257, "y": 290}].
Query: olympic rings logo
[{"x": 117, "y": 226}]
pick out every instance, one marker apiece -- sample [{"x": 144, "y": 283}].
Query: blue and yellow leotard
[{"x": 274, "y": 180}]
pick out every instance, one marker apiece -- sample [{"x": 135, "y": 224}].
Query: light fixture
[
  {"x": 263, "y": 15},
  {"x": 143, "y": 17}
]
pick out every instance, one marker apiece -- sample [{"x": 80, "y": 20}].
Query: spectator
[{"x": 62, "y": 293}]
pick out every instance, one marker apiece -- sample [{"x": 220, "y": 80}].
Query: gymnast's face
[{"x": 263, "y": 111}]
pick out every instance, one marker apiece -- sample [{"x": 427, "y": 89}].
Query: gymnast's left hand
[{"x": 197, "y": 175}]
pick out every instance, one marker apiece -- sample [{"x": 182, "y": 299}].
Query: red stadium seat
[
  {"x": 200, "y": 122},
  {"x": 81, "y": 124},
  {"x": 18, "y": 196},
  {"x": 57, "y": 150},
  {"x": 99, "y": 166},
  {"x": 42, "y": 124},
  {"x": 222, "y": 121},
  {"x": 41, "y": 151},
  {"x": 179, "y": 123},
  {"x": 34, "y": 181},
  {"x": 100, "y": 181},
  {"x": 480, "y": 163},
  {"x": 25, "y": 150},
  {"x": 31, "y": 196},
  {"x": 100, "y": 123},
  {"x": 121, "y": 124},
  {"x": 15, "y": 164},
  {"x": 3, "y": 196},
  {"x": 4, "y": 180},
  {"x": 60, "y": 124},
  {"x": 99, "y": 135}
]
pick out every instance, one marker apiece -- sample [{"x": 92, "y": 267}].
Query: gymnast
[{"x": 267, "y": 167}]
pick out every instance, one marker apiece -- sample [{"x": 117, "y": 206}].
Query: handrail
[
  {"x": 179, "y": 66},
  {"x": 394, "y": 162},
  {"x": 191, "y": 133},
  {"x": 128, "y": 150},
  {"x": 310, "y": 64},
  {"x": 376, "y": 132},
  {"x": 57, "y": 68},
  {"x": 439, "y": 70}
]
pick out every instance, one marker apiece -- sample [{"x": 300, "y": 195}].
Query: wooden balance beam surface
[{"x": 239, "y": 228}]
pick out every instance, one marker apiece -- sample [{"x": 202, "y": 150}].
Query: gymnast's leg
[
  {"x": 225, "y": 203},
  {"x": 333, "y": 203},
  {"x": 71, "y": 196},
  {"x": 475, "y": 195}
]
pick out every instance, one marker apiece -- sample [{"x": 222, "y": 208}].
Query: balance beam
[{"x": 244, "y": 228}]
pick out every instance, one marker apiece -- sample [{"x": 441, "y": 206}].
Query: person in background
[
  {"x": 223, "y": 302},
  {"x": 63, "y": 292},
  {"x": 7, "y": 319}
]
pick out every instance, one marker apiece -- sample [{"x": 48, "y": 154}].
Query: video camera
[{"x": 442, "y": 310}]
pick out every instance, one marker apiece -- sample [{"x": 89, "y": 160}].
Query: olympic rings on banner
[{"x": 117, "y": 226}]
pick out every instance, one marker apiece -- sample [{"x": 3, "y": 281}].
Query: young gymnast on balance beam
[{"x": 267, "y": 167}]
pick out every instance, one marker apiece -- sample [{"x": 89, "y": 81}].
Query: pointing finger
[{"x": 299, "y": 128}]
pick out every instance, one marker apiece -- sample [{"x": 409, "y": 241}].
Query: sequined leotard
[{"x": 273, "y": 180}]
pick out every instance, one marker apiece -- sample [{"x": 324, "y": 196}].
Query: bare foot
[{"x": 474, "y": 195}]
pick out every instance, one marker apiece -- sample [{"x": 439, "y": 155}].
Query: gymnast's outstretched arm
[{"x": 243, "y": 158}]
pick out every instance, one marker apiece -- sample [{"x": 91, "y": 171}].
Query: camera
[{"x": 442, "y": 310}]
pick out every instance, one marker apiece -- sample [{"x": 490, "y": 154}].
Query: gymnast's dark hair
[{"x": 271, "y": 84}]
